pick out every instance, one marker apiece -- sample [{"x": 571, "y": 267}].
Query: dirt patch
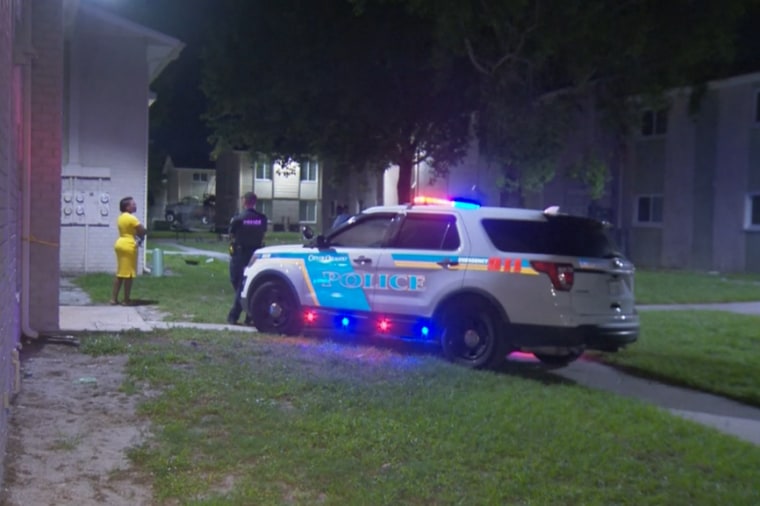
[{"x": 70, "y": 430}]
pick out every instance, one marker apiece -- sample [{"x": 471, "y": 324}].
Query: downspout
[{"x": 26, "y": 187}]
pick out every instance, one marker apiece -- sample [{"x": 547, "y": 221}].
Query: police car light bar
[{"x": 456, "y": 203}]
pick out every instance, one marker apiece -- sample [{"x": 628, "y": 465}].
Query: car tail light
[{"x": 561, "y": 275}]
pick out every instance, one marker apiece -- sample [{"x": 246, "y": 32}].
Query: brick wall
[
  {"x": 9, "y": 217},
  {"x": 47, "y": 110}
]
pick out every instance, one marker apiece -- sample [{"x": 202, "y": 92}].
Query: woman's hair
[{"x": 123, "y": 203}]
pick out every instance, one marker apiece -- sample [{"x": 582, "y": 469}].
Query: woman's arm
[{"x": 140, "y": 231}]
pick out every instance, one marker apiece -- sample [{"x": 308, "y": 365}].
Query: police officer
[{"x": 247, "y": 231}]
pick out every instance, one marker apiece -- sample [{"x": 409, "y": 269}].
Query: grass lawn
[
  {"x": 213, "y": 242},
  {"x": 199, "y": 292},
  {"x": 261, "y": 420},
  {"x": 684, "y": 287},
  {"x": 712, "y": 351},
  {"x": 267, "y": 420}
]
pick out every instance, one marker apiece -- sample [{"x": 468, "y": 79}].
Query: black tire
[
  {"x": 169, "y": 217},
  {"x": 470, "y": 335},
  {"x": 559, "y": 360},
  {"x": 274, "y": 309}
]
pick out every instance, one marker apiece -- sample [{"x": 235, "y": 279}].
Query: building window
[
  {"x": 654, "y": 122},
  {"x": 307, "y": 211},
  {"x": 199, "y": 176},
  {"x": 649, "y": 209},
  {"x": 309, "y": 169},
  {"x": 752, "y": 213},
  {"x": 264, "y": 206},
  {"x": 262, "y": 170}
]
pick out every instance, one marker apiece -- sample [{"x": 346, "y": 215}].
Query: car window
[
  {"x": 368, "y": 231},
  {"x": 426, "y": 231},
  {"x": 558, "y": 235}
]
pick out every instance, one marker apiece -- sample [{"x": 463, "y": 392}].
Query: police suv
[{"x": 480, "y": 281}]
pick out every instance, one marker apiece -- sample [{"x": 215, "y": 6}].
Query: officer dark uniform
[{"x": 247, "y": 231}]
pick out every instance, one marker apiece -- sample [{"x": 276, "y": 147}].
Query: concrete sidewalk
[{"x": 121, "y": 318}]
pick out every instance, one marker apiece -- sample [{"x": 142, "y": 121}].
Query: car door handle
[
  {"x": 448, "y": 262},
  {"x": 362, "y": 260}
]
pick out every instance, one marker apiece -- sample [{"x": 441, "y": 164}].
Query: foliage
[
  {"x": 593, "y": 172},
  {"x": 538, "y": 60},
  {"x": 297, "y": 77}
]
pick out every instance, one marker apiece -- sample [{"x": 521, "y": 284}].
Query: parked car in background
[{"x": 191, "y": 209}]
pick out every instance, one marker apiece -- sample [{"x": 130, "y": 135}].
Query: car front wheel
[
  {"x": 275, "y": 309},
  {"x": 469, "y": 335},
  {"x": 170, "y": 217}
]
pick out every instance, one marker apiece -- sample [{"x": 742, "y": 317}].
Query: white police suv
[{"x": 480, "y": 281}]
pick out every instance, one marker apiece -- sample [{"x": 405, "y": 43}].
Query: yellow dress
[{"x": 126, "y": 246}]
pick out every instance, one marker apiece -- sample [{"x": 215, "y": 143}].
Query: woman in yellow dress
[{"x": 126, "y": 250}]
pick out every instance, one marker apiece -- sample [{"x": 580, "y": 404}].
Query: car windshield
[{"x": 559, "y": 235}]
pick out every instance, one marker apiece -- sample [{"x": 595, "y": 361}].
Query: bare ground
[{"x": 69, "y": 432}]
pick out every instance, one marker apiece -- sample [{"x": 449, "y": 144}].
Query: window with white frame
[
  {"x": 264, "y": 206},
  {"x": 307, "y": 212},
  {"x": 654, "y": 122},
  {"x": 752, "y": 212},
  {"x": 200, "y": 176},
  {"x": 648, "y": 209},
  {"x": 262, "y": 170},
  {"x": 309, "y": 169}
]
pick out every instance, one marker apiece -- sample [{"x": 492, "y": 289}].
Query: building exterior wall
[
  {"x": 10, "y": 196},
  {"x": 678, "y": 187},
  {"x": 753, "y": 185},
  {"x": 46, "y": 137},
  {"x": 705, "y": 156},
  {"x": 107, "y": 152},
  {"x": 732, "y": 165},
  {"x": 280, "y": 196}
]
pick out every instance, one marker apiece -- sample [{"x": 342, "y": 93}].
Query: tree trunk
[{"x": 404, "y": 186}]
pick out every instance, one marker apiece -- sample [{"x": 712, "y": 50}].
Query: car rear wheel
[
  {"x": 275, "y": 309},
  {"x": 169, "y": 217},
  {"x": 469, "y": 334},
  {"x": 559, "y": 360}
]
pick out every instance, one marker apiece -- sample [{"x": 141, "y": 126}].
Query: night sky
[{"x": 176, "y": 127}]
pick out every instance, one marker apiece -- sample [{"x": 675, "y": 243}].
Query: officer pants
[{"x": 237, "y": 266}]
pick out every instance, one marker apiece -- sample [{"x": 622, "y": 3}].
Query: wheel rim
[
  {"x": 470, "y": 340},
  {"x": 277, "y": 310}
]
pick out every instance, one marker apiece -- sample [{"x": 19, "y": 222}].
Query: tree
[
  {"x": 538, "y": 59},
  {"x": 362, "y": 89}
]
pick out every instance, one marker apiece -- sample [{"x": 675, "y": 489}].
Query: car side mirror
[
  {"x": 322, "y": 242},
  {"x": 307, "y": 233}
]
